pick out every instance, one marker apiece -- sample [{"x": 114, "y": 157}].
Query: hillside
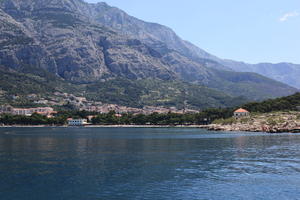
[
  {"x": 288, "y": 103},
  {"x": 159, "y": 93},
  {"x": 121, "y": 91},
  {"x": 21, "y": 84}
]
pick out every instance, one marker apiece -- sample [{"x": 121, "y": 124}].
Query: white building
[
  {"x": 22, "y": 111},
  {"x": 77, "y": 122},
  {"x": 47, "y": 111}
]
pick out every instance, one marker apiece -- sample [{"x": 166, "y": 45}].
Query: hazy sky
[{"x": 244, "y": 30}]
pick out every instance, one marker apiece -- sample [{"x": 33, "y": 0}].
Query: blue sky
[{"x": 252, "y": 31}]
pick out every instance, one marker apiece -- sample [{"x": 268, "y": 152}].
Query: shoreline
[
  {"x": 210, "y": 127},
  {"x": 274, "y": 122},
  {"x": 105, "y": 126},
  {"x": 237, "y": 128}
]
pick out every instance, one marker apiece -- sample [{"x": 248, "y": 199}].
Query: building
[
  {"x": 298, "y": 108},
  {"x": 6, "y": 109},
  {"x": 22, "y": 111},
  {"x": 77, "y": 122},
  {"x": 46, "y": 111},
  {"x": 43, "y": 110},
  {"x": 118, "y": 115},
  {"x": 241, "y": 113}
]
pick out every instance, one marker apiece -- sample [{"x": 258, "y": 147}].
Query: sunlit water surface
[{"x": 147, "y": 163}]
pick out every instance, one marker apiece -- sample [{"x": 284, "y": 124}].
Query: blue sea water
[{"x": 147, "y": 163}]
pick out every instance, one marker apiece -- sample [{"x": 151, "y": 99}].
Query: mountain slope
[
  {"x": 76, "y": 49},
  {"x": 152, "y": 34},
  {"x": 24, "y": 82},
  {"x": 121, "y": 91},
  {"x": 159, "y": 93}
]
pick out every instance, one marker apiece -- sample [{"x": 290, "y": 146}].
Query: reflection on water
[{"x": 111, "y": 163}]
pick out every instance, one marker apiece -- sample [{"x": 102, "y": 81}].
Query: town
[{"x": 46, "y": 106}]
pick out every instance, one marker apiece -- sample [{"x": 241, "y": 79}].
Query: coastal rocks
[{"x": 272, "y": 123}]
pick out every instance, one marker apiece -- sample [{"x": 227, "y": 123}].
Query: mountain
[
  {"x": 184, "y": 57},
  {"x": 89, "y": 48},
  {"x": 47, "y": 55},
  {"x": 154, "y": 34},
  {"x": 287, "y": 73}
]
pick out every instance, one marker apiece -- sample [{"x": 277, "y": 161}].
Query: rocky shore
[{"x": 278, "y": 122}]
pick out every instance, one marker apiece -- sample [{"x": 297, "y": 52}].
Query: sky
[{"x": 252, "y": 31}]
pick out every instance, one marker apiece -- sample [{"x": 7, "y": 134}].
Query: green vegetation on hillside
[
  {"x": 154, "y": 92},
  {"x": 250, "y": 85},
  {"x": 25, "y": 82},
  {"x": 121, "y": 91},
  {"x": 280, "y": 104},
  {"x": 134, "y": 93}
]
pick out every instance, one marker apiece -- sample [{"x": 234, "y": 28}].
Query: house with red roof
[{"x": 241, "y": 113}]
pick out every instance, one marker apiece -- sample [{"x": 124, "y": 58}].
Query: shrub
[{"x": 227, "y": 121}]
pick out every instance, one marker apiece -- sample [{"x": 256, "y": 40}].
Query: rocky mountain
[
  {"x": 86, "y": 44},
  {"x": 188, "y": 57},
  {"x": 155, "y": 34}
]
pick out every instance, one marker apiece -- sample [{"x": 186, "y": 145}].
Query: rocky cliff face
[
  {"x": 84, "y": 43},
  {"x": 19, "y": 48},
  {"x": 70, "y": 44},
  {"x": 152, "y": 34}
]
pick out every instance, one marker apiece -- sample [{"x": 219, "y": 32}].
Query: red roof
[{"x": 241, "y": 110}]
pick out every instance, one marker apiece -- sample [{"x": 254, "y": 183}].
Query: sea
[{"x": 70, "y": 163}]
